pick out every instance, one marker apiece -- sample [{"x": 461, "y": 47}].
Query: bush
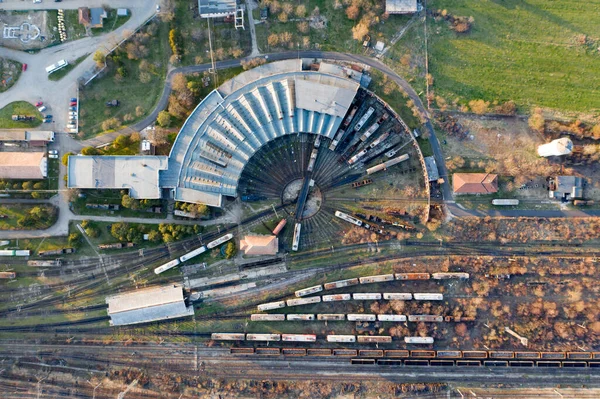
[
  {"x": 175, "y": 41},
  {"x": 65, "y": 158},
  {"x": 74, "y": 239},
  {"x": 90, "y": 151},
  {"x": 163, "y": 119},
  {"x": 230, "y": 250}
]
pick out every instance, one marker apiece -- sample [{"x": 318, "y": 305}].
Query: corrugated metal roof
[{"x": 401, "y": 6}]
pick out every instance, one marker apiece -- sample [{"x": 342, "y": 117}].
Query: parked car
[
  {"x": 37, "y": 1},
  {"x": 49, "y": 116},
  {"x": 24, "y": 67},
  {"x": 72, "y": 108},
  {"x": 72, "y": 113},
  {"x": 72, "y": 118},
  {"x": 42, "y": 108},
  {"x": 39, "y": 104},
  {"x": 53, "y": 152},
  {"x": 53, "y": 156},
  {"x": 73, "y": 104},
  {"x": 47, "y": 120},
  {"x": 73, "y": 100}
]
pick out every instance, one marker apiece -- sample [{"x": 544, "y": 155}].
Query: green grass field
[
  {"x": 19, "y": 108},
  {"x": 529, "y": 52}
]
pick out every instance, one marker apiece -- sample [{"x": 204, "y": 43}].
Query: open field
[
  {"x": 19, "y": 108},
  {"x": 535, "y": 53}
]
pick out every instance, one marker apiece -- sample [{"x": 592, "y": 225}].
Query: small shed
[
  {"x": 84, "y": 16},
  {"x": 122, "y": 12}
]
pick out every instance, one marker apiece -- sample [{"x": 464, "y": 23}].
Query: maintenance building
[{"x": 23, "y": 165}]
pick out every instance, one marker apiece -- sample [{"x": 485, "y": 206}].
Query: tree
[
  {"x": 230, "y": 250},
  {"x": 130, "y": 203},
  {"x": 479, "y": 107},
  {"x": 135, "y": 137},
  {"x": 119, "y": 231},
  {"x": 99, "y": 58},
  {"x": 596, "y": 132},
  {"x": 65, "y": 158},
  {"x": 158, "y": 136},
  {"x": 175, "y": 41},
  {"x": 352, "y": 12},
  {"x": 301, "y": 11},
  {"x": 122, "y": 141},
  {"x": 90, "y": 151},
  {"x": 139, "y": 111},
  {"x": 74, "y": 239},
  {"x": 154, "y": 236},
  {"x": 360, "y": 30},
  {"x": 179, "y": 82},
  {"x": 92, "y": 232},
  {"x": 273, "y": 39},
  {"x": 111, "y": 124},
  {"x": 163, "y": 119}
]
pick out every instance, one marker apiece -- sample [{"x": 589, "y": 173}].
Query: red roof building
[
  {"x": 259, "y": 245},
  {"x": 474, "y": 183}
]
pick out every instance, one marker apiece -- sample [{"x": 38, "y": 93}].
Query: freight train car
[
  {"x": 361, "y": 122},
  {"x": 7, "y": 275},
  {"x": 331, "y": 317},
  {"x": 418, "y": 340},
  {"x": 388, "y": 164},
  {"x": 44, "y": 263},
  {"x": 428, "y": 297},
  {"x": 301, "y": 317},
  {"x": 348, "y": 218},
  {"x": 366, "y": 296},
  {"x": 267, "y": 317},
  {"x": 341, "y": 338},
  {"x": 296, "y": 240},
  {"x": 303, "y": 301},
  {"x": 337, "y": 297},
  {"x": 372, "y": 129},
  {"x": 391, "y": 317},
  {"x": 448, "y": 275},
  {"x": 358, "y": 184},
  {"x": 361, "y": 317},
  {"x": 263, "y": 337},
  {"x": 348, "y": 118},
  {"x": 298, "y": 337},
  {"x": 271, "y": 305},
  {"x": 279, "y": 227},
  {"x": 340, "y": 284},
  {"x": 309, "y": 291},
  {"x": 412, "y": 276},
  {"x": 374, "y": 339},
  {"x": 426, "y": 318},
  {"x": 382, "y": 278},
  {"x": 227, "y": 336},
  {"x": 14, "y": 252},
  {"x": 219, "y": 241},
  {"x": 505, "y": 202},
  {"x": 397, "y": 296}
]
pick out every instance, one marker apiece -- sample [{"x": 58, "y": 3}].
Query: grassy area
[
  {"x": 9, "y": 73},
  {"x": 74, "y": 29},
  {"x": 53, "y": 173},
  {"x": 137, "y": 98},
  {"x": 111, "y": 22},
  {"x": 13, "y": 214},
  {"x": 61, "y": 73},
  {"x": 109, "y": 197},
  {"x": 227, "y": 42},
  {"x": 19, "y": 108},
  {"x": 535, "y": 53},
  {"x": 392, "y": 94}
]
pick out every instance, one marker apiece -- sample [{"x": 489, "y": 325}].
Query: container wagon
[
  {"x": 447, "y": 276},
  {"x": 44, "y": 263},
  {"x": 366, "y": 296},
  {"x": 296, "y": 241},
  {"x": 193, "y": 254},
  {"x": 358, "y": 184},
  {"x": 227, "y": 336},
  {"x": 362, "y": 317},
  {"x": 263, "y": 337},
  {"x": 279, "y": 227},
  {"x": 397, "y": 296},
  {"x": 449, "y": 354},
  {"x": 372, "y": 129},
  {"x": 337, "y": 297},
  {"x": 219, "y": 241},
  {"x": 298, "y": 337},
  {"x": 267, "y": 317},
  {"x": 348, "y": 218},
  {"x": 425, "y": 317},
  {"x": 418, "y": 340},
  {"x": 388, "y": 164},
  {"x": 301, "y": 317},
  {"x": 340, "y": 284},
  {"x": 391, "y": 317},
  {"x": 271, "y": 305},
  {"x": 341, "y": 338},
  {"x": 371, "y": 339},
  {"x": 303, "y": 301},
  {"x": 167, "y": 266},
  {"x": 309, "y": 291},
  {"x": 505, "y": 202},
  {"x": 376, "y": 279},
  {"x": 52, "y": 252},
  {"x": 337, "y": 139},
  {"x": 361, "y": 122},
  {"x": 331, "y": 317},
  {"x": 7, "y": 275},
  {"x": 428, "y": 297},
  {"x": 412, "y": 276}
]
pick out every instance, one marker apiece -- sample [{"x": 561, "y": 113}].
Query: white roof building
[
  {"x": 148, "y": 304},
  {"x": 138, "y": 174},
  {"x": 216, "y": 8},
  {"x": 401, "y": 6}
]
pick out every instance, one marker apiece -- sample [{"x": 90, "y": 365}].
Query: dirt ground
[{"x": 31, "y": 30}]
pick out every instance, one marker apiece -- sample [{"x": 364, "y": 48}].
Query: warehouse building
[
  {"x": 259, "y": 245},
  {"x": 23, "y": 165},
  {"x": 566, "y": 188},
  {"x": 474, "y": 183},
  {"x": 147, "y": 305},
  {"x": 138, "y": 174}
]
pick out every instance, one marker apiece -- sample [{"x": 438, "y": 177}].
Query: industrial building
[
  {"x": 148, "y": 304},
  {"x": 259, "y": 245},
  {"x": 566, "y": 188},
  {"x": 23, "y": 165},
  {"x": 35, "y": 138},
  {"x": 432, "y": 169},
  {"x": 217, "y": 8},
  {"x": 474, "y": 183},
  {"x": 401, "y": 6},
  {"x": 138, "y": 174}
]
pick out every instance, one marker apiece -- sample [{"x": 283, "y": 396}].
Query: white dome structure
[{"x": 558, "y": 147}]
